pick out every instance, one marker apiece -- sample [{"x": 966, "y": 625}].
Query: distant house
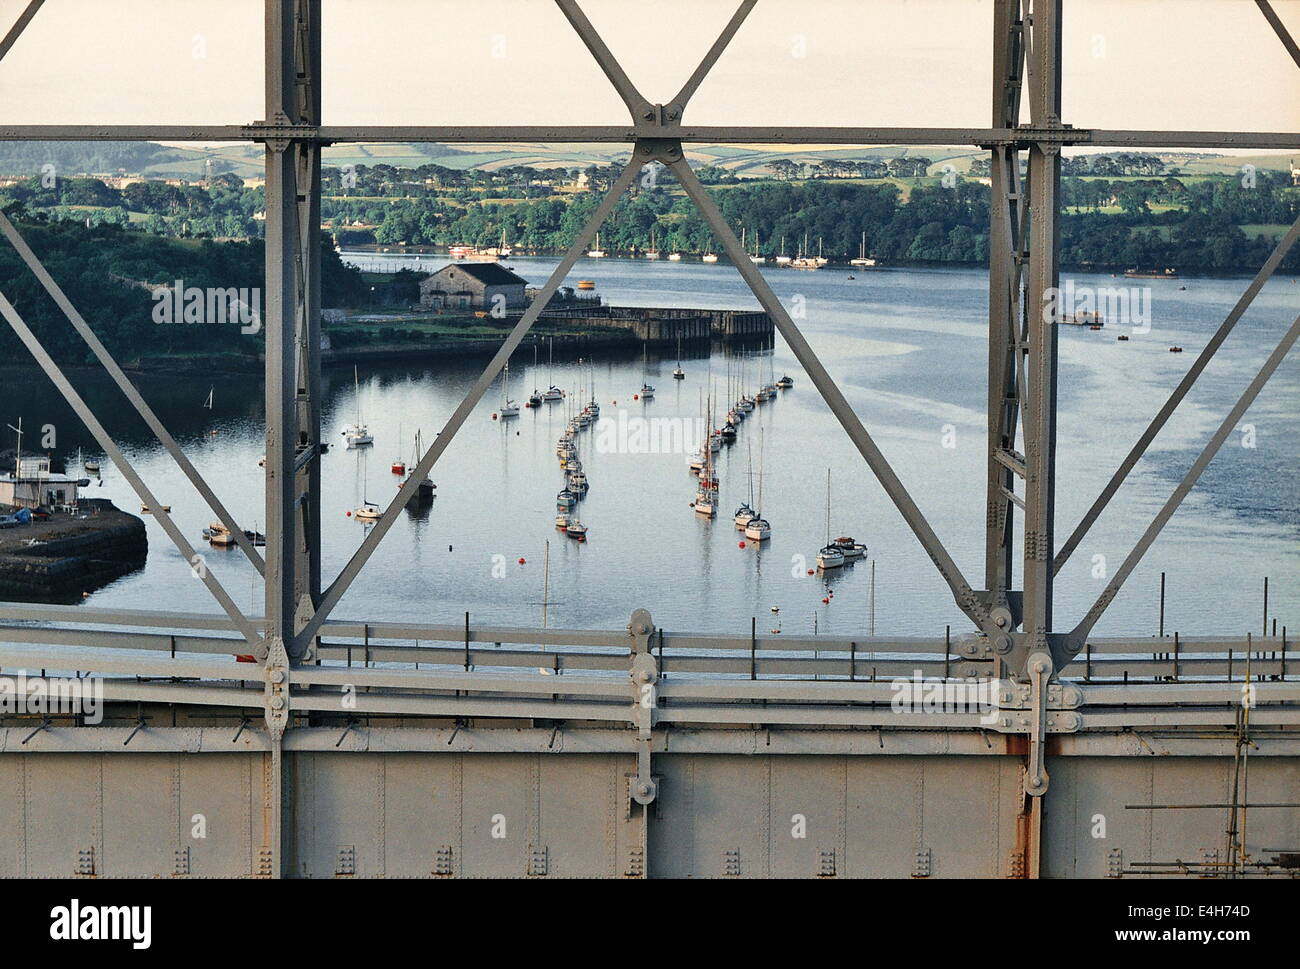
[
  {"x": 33, "y": 485},
  {"x": 473, "y": 285}
]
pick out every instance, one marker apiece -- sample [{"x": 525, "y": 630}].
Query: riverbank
[{"x": 60, "y": 558}]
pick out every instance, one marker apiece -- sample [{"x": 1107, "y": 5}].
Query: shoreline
[{"x": 74, "y": 555}]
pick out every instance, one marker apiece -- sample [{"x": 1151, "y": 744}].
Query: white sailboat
[
  {"x": 745, "y": 513},
  {"x": 357, "y": 434},
  {"x": 647, "y": 392},
  {"x": 863, "y": 259},
  {"x": 831, "y": 556},
  {"x": 803, "y": 260},
  {"x": 653, "y": 251},
  {"x": 553, "y": 393},
  {"x": 706, "y": 498},
  {"x": 755, "y": 258},
  {"x": 367, "y": 511},
  {"x": 781, "y": 258},
  {"x": 758, "y": 528},
  {"x": 508, "y": 407},
  {"x": 596, "y": 252}
]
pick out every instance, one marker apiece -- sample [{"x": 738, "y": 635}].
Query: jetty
[
  {"x": 60, "y": 557},
  {"x": 664, "y": 325}
]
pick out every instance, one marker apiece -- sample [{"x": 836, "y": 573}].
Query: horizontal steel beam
[
  {"x": 571, "y": 740},
  {"x": 694, "y": 134}
]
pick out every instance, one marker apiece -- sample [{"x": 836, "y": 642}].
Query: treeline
[
  {"x": 224, "y": 209},
  {"x": 934, "y": 224},
  {"x": 108, "y": 273}
]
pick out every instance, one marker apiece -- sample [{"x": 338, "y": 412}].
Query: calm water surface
[{"x": 907, "y": 346}]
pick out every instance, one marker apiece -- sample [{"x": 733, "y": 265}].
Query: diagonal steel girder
[
  {"x": 1279, "y": 28},
  {"x": 245, "y": 627},
  {"x": 19, "y": 26},
  {"x": 638, "y": 106},
  {"x": 128, "y": 389},
  {"x": 1076, "y": 638},
  {"x": 677, "y": 107},
  {"x": 331, "y": 596},
  {"x": 962, "y": 592},
  {"x": 1166, "y": 411}
]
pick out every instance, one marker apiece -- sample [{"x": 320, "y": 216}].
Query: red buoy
[
  {"x": 521, "y": 561},
  {"x": 742, "y": 544},
  {"x": 824, "y": 601},
  {"x": 810, "y": 571}
]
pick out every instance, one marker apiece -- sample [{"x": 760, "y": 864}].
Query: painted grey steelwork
[{"x": 351, "y": 747}]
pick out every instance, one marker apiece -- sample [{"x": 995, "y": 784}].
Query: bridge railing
[{"x": 467, "y": 670}]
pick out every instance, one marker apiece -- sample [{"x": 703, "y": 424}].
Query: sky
[{"x": 1169, "y": 64}]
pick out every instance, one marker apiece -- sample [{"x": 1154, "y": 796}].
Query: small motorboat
[
  {"x": 697, "y": 461},
  {"x": 850, "y": 548},
  {"x": 222, "y": 538},
  {"x": 146, "y": 510},
  {"x": 565, "y": 500},
  {"x": 562, "y": 522},
  {"x": 576, "y": 529},
  {"x": 786, "y": 382},
  {"x": 91, "y": 467},
  {"x": 399, "y": 467},
  {"x": 576, "y": 482}
]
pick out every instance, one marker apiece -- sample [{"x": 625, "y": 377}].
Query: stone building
[{"x": 473, "y": 285}]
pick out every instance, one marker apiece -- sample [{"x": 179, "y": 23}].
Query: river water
[{"x": 907, "y": 347}]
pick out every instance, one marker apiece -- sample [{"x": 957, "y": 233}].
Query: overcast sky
[{"x": 1128, "y": 63}]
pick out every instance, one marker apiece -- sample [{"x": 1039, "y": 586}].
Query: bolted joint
[{"x": 276, "y": 693}]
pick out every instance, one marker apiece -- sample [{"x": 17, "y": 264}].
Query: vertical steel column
[
  {"x": 292, "y": 318},
  {"x": 1004, "y": 282},
  {"x": 307, "y": 574},
  {"x": 1042, "y": 313}
]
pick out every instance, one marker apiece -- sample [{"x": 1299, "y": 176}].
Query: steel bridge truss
[{"x": 296, "y": 667}]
